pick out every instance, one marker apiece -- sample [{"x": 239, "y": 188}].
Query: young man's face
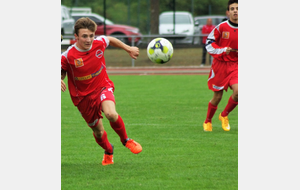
[
  {"x": 233, "y": 12},
  {"x": 85, "y": 38}
]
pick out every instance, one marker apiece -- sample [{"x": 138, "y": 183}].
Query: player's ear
[{"x": 76, "y": 37}]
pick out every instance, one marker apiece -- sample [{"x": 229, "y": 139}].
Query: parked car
[
  {"x": 67, "y": 22},
  {"x": 184, "y": 26},
  {"x": 111, "y": 28},
  {"x": 216, "y": 19}
]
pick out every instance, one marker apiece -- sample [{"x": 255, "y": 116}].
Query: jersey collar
[
  {"x": 82, "y": 50},
  {"x": 232, "y": 24}
]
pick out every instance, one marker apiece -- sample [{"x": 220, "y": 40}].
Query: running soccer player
[
  {"x": 91, "y": 89},
  {"x": 222, "y": 44}
]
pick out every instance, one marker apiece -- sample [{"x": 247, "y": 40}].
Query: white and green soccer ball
[{"x": 160, "y": 50}]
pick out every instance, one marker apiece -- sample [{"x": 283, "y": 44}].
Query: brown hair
[
  {"x": 231, "y": 2},
  {"x": 85, "y": 22}
]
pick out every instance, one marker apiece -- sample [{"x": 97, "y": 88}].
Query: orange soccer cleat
[
  {"x": 108, "y": 158},
  {"x": 133, "y": 146},
  {"x": 207, "y": 126},
  {"x": 225, "y": 122}
]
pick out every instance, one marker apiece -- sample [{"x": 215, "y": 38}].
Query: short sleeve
[{"x": 104, "y": 39}]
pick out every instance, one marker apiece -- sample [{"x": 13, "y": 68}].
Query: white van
[
  {"x": 184, "y": 26},
  {"x": 67, "y": 22}
]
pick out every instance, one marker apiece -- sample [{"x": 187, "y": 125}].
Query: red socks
[
  {"x": 119, "y": 127},
  {"x": 104, "y": 143},
  {"x": 210, "y": 112},
  {"x": 229, "y": 107}
]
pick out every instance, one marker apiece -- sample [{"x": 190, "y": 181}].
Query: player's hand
[
  {"x": 229, "y": 49},
  {"x": 63, "y": 86},
  {"x": 134, "y": 52}
]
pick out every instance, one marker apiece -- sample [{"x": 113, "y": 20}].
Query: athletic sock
[
  {"x": 104, "y": 143},
  {"x": 119, "y": 127},
  {"x": 229, "y": 107},
  {"x": 210, "y": 112}
]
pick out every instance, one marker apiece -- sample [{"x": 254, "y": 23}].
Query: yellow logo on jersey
[{"x": 89, "y": 76}]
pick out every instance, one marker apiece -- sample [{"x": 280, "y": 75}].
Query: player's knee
[
  {"x": 235, "y": 96},
  {"x": 111, "y": 116},
  {"x": 99, "y": 133},
  {"x": 216, "y": 99}
]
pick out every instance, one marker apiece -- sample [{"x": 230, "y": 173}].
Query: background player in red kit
[
  {"x": 222, "y": 44},
  {"x": 91, "y": 89},
  {"x": 206, "y": 29}
]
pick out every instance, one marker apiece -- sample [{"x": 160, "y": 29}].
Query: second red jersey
[
  {"x": 86, "y": 70},
  {"x": 206, "y": 29},
  {"x": 224, "y": 35}
]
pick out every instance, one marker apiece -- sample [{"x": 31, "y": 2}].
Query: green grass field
[{"x": 165, "y": 115}]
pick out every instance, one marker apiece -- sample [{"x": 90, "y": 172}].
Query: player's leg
[
  {"x": 115, "y": 120},
  {"x": 118, "y": 126},
  {"x": 235, "y": 88},
  {"x": 217, "y": 82},
  {"x": 233, "y": 100},
  {"x": 90, "y": 109},
  {"x": 232, "y": 103},
  {"x": 211, "y": 110},
  {"x": 217, "y": 97},
  {"x": 100, "y": 136}
]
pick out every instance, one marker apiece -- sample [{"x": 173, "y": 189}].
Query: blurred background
[
  {"x": 137, "y": 22},
  {"x": 138, "y": 12}
]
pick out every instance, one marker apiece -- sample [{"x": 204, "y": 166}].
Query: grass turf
[{"x": 165, "y": 115}]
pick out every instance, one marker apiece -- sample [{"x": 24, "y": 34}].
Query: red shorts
[
  {"x": 90, "y": 105},
  {"x": 222, "y": 74}
]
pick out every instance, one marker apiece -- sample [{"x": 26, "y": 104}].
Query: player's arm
[
  {"x": 63, "y": 75},
  {"x": 131, "y": 50},
  {"x": 63, "y": 86},
  {"x": 211, "y": 42},
  {"x": 63, "y": 72}
]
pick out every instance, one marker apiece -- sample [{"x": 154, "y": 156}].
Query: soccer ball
[{"x": 160, "y": 50}]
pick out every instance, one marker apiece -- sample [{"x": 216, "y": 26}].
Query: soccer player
[
  {"x": 206, "y": 29},
  {"x": 91, "y": 89},
  {"x": 222, "y": 44}
]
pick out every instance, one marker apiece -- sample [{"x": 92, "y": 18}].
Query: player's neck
[{"x": 233, "y": 23}]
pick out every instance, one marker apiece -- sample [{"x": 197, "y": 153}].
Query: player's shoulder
[
  {"x": 102, "y": 39},
  {"x": 228, "y": 24},
  {"x": 222, "y": 24},
  {"x": 65, "y": 53}
]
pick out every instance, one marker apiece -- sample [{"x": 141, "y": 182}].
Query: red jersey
[
  {"x": 206, "y": 29},
  {"x": 224, "y": 35},
  {"x": 86, "y": 69}
]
